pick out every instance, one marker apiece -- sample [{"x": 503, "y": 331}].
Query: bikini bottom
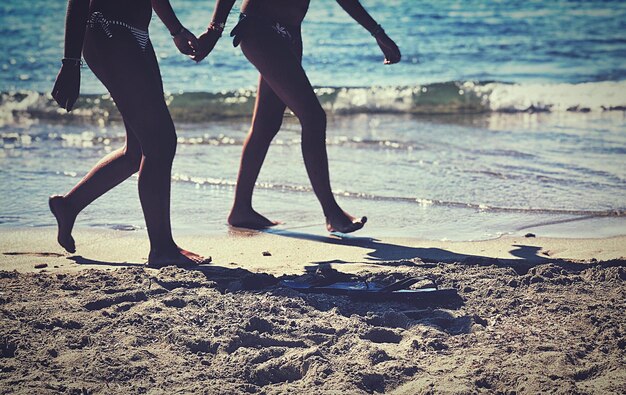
[
  {"x": 249, "y": 23},
  {"x": 96, "y": 19}
]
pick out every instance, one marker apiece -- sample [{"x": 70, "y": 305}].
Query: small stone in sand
[
  {"x": 41, "y": 265},
  {"x": 266, "y": 253},
  {"x": 529, "y": 235}
]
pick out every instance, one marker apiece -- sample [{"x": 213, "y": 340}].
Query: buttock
[
  {"x": 114, "y": 28},
  {"x": 118, "y": 53},
  {"x": 252, "y": 23}
]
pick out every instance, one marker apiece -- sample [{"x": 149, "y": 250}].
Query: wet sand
[{"x": 533, "y": 315}]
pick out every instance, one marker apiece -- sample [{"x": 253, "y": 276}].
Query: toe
[
  {"x": 68, "y": 245},
  {"x": 355, "y": 226}
]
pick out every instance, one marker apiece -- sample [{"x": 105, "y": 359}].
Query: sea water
[{"x": 502, "y": 117}]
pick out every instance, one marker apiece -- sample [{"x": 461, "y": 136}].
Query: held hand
[
  {"x": 186, "y": 42},
  {"x": 206, "y": 43},
  {"x": 67, "y": 86},
  {"x": 389, "y": 48}
]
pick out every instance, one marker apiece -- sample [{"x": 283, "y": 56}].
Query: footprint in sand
[{"x": 37, "y": 254}]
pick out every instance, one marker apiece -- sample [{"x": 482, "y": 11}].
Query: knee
[
  {"x": 162, "y": 146},
  {"x": 133, "y": 156},
  {"x": 273, "y": 125},
  {"x": 265, "y": 130},
  {"x": 313, "y": 123}
]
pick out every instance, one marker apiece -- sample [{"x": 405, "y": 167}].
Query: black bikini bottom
[
  {"x": 248, "y": 23},
  {"x": 96, "y": 19}
]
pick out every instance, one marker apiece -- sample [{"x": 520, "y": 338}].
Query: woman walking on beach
[
  {"x": 269, "y": 33},
  {"x": 112, "y": 35}
]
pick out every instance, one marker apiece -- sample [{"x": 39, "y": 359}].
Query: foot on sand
[
  {"x": 180, "y": 258},
  {"x": 344, "y": 223},
  {"x": 249, "y": 219},
  {"x": 65, "y": 222}
]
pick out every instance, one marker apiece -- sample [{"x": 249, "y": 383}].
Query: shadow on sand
[
  {"x": 390, "y": 254},
  {"x": 405, "y": 313}
]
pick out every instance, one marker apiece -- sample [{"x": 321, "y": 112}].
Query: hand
[
  {"x": 67, "y": 86},
  {"x": 206, "y": 43},
  {"x": 389, "y": 48},
  {"x": 186, "y": 42}
]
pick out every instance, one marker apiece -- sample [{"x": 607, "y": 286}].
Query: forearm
[
  {"x": 164, "y": 10},
  {"x": 221, "y": 11},
  {"x": 75, "y": 24},
  {"x": 359, "y": 14}
]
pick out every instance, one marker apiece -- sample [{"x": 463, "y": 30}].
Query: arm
[
  {"x": 209, "y": 38},
  {"x": 67, "y": 84},
  {"x": 221, "y": 11},
  {"x": 359, "y": 14},
  {"x": 184, "y": 40}
]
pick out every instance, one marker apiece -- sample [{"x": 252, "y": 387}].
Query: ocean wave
[{"x": 437, "y": 98}]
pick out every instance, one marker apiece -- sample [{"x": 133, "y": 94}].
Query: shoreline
[
  {"x": 292, "y": 252},
  {"x": 533, "y": 315}
]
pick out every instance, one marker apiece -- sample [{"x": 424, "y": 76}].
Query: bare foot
[
  {"x": 180, "y": 258},
  {"x": 249, "y": 219},
  {"x": 65, "y": 222},
  {"x": 344, "y": 223}
]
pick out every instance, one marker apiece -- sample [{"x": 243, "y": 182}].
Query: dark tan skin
[
  {"x": 284, "y": 83},
  {"x": 133, "y": 78}
]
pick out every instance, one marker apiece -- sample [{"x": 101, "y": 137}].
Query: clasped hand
[
  {"x": 197, "y": 48},
  {"x": 206, "y": 43},
  {"x": 186, "y": 42}
]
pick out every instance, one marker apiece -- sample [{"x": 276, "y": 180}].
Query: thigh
[
  {"x": 132, "y": 77},
  {"x": 282, "y": 71},
  {"x": 153, "y": 65},
  {"x": 269, "y": 109},
  {"x": 269, "y": 106}
]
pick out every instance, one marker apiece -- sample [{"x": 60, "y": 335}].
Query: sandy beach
[
  {"x": 490, "y": 162},
  {"x": 532, "y": 315}
]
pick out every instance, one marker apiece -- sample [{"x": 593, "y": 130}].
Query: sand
[{"x": 533, "y": 315}]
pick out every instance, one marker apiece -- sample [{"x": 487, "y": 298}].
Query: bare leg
[
  {"x": 282, "y": 71},
  {"x": 133, "y": 79},
  {"x": 266, "y": 121},
  {"x": 106, "y": 174}
]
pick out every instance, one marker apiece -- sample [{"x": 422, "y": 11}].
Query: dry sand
[{"x": 533, "y": 315}]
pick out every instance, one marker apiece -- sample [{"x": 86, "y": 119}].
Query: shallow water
[
  {"x": 501, "y": 116},
  {"x": 469, "y": 177}
]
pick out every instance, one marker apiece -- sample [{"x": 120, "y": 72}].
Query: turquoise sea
[{"x": 503, "y": 117}]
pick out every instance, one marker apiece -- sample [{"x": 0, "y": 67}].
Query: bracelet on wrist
[
  {"x": 76, "y": 62},
  {"x": 377, "y": 30},
  {"x": 179, "y": 31},
  {"x": 217, "y": 27}
]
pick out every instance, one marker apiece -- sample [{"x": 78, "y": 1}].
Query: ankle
[
  {"x": 163, "y": 247},
  {"x": 67, "y": 205},
  {"x": 332, "y": 210},
  {"x": 163, "y": 252},
  {"x": 242, "y": 207}
]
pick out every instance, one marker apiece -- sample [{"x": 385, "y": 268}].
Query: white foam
[
  {"x": 589, "y": 96},
  {"x": 11, "y": 105}
]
